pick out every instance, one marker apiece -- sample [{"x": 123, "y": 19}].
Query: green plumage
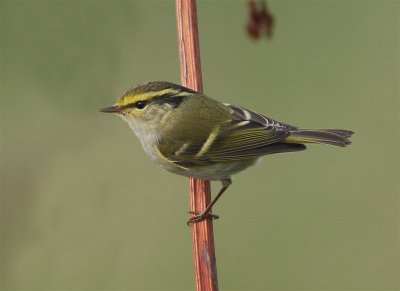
[
  {"x": 192, "y": 135},
  {"x": 240, "y": 134}
]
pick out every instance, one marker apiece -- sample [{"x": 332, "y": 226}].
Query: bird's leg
[{"x": 205, "y": 214}]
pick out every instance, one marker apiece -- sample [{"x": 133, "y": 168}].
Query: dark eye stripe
[
  {"x": 171, "y": 99},
  {"x": 138, "y": 104}
]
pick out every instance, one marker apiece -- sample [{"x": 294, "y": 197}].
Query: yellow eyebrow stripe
[{"x": 128, "y": 99}]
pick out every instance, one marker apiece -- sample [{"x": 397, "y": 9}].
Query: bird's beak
[{"x": 111, "y": 109}]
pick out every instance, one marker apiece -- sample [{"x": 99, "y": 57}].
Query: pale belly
[{"x": 218, "y": 171}]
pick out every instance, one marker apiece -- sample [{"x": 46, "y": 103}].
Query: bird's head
[{"x": 149, "y": 101}]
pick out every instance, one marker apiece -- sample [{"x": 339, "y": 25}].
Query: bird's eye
[{"x": 140, "y": 104}]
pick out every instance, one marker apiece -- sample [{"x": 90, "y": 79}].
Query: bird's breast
[{"x": 147, "y": 135}]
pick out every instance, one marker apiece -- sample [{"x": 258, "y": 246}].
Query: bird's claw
[{"x": 200, "y": 217}]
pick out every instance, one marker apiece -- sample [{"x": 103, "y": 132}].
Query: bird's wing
[
  {"x": 246, "y": 135},
  {"x": 256, "y": 118}
]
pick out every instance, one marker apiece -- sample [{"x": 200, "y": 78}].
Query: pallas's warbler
[{"x": 190, "y": 134}]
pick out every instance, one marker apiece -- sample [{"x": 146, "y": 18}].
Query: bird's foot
[{"x": 200, "y": 216}]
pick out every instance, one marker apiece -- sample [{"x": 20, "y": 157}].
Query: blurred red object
[{"x": 260, "y": 20}]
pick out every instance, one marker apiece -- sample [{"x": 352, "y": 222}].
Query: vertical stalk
[{"x": 205, "y": 268}]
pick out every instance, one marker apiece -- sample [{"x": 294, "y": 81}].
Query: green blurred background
[{"x": 82, "y": 208}]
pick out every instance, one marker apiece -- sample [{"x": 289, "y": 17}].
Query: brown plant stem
[{"x": 205, "y": 268}]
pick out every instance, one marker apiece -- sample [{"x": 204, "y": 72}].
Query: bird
[{"x": 190, "y": 134}]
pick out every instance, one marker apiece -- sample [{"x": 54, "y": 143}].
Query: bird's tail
[{"x": 336, "y": 137}]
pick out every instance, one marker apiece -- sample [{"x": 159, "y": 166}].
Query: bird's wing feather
[
  {"x": 246, "y": 135},
  {"x": 245, "y": 114}
]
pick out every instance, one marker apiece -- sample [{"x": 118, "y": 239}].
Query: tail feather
[
  {"x": 341, "y": 132},
  {"x": 335, "y": 137}
]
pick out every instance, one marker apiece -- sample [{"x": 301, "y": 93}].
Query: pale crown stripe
[{"x": 184, "y": 93}]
